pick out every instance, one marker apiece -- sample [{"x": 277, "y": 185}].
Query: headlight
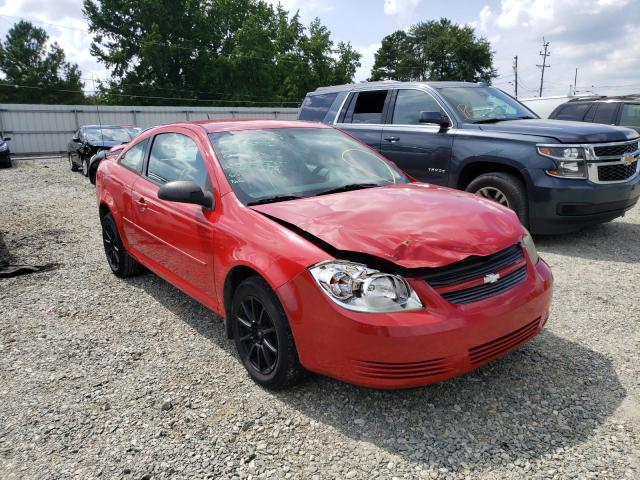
[
  {"x": 356, "y": 287},
  {"x": 570, "y": 161},
  {"x": 3, "y": 146},
  {"x": 529, "y": 246}
]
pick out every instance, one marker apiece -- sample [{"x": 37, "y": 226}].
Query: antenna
[{"x": 544, "y": 65}]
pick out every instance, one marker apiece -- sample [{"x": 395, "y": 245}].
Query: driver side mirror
[
  {"x": 186, "y": 191},
  {"x": 438, "y": 118},
  {"x": 75, "y": 139}
]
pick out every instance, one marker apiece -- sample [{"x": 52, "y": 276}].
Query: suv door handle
[{"x": 392, "y": 139}]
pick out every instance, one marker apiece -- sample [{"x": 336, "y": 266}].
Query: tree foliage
[
  {"x": 434, "y": 50},
  {"x": 240, "y": 52},
  {"x": 35, "y": 73}
]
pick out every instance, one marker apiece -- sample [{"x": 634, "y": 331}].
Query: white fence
[{"x": 48, "y": 128}]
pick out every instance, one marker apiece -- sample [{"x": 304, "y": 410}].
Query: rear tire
[
  {"x": 503, "y": 188},
  {"x": 263, "y": 336},
  {"x": 74, "y": 168},
  {"x": 121, "y": 263}
]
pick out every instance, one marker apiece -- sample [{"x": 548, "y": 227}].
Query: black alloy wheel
[
  {"x": 257, "y": 336},
  {"x": 120, "y": 262},
  {"x": 111, "y": 247},
  {"x": 263, "y": 336}
]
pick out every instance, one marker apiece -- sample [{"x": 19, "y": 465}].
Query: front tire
[
  {"x": 505, "y": 189},
  {"x": 85, "y": 167},
  {"x": 121, "y": 263},
  {"x": 263, "y": 336}
]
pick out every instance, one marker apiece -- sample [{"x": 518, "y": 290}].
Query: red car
[{"x": 320, "y": 254}]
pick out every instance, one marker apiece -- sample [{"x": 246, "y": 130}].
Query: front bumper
[
  {"x": 409, "y": 349},
  {"x": 560, "y": 205},
  {"x": 5, "y": 158}
]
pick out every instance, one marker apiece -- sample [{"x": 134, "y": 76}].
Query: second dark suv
[
  {"x": 558, "y": 176},
  {"x": 623, "y": 111}
]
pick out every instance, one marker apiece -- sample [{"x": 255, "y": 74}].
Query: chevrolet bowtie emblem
[
  {"x": 491, "y": 278},
  {"x": 628, "y": 160}
]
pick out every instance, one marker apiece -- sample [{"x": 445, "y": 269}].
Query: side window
[
  {"x": 630, "y": 116},
  {"x": 134, "y": 157},
  {"x": 572, "y": 111},
  {"x": 368, "y": 107},
  {"x": 410, "y": 104},
  {"x": 315, "y": 107},
  {"x": 605, "y": 113},
  {"x": 175, "y": 156}
]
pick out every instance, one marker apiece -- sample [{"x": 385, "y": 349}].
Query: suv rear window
[
  {"x": 605, "y": 113},
  {"x": 315, "y": 107},
  {"x": 630, "y": 116},
  {"x": 572, "y": 111}
]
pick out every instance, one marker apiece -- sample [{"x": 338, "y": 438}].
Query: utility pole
[
  {"x": 575, "y": 82},
  {"x": 544, "y": 65},
  {"x": 515, "y": 70}
]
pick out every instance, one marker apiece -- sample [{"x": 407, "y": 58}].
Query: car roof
[
  {"x": 224, "y": 125},
  {"x": 604, "y": 99},
  {"x": 109, "y": 126},
  {"x": 391, "y": 84}
]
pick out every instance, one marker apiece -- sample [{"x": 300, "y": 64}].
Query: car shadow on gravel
[
  {"x": 550, "y": 394},
  {"x": 614, "y": 241}
]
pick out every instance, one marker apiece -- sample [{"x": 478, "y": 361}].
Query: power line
[
  {"x": 61, "y": 90},
  {"x": 544, "y": 65}
]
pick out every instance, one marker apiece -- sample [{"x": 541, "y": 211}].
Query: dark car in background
[
  {"x": 623, "y": 111},
  {"x": 90, "y": 139},
  {"x": 557, "y": 176},
  {"x": 98, "y": 157},
  {"x": 5, "y": 153}
]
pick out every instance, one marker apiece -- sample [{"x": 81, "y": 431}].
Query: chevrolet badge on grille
[
  {"x": 491, "y": 278},
  {"x": 628, "y": 159}
]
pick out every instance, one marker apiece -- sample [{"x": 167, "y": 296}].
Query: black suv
[
  {"x": 623, "y": 111},
  {"x": 558, "y": 176}
]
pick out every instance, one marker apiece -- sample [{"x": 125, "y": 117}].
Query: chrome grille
[{"x": 615, "y": 150}]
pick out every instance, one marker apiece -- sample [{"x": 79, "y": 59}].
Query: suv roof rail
[
  {"x": 379, "y": 82},
  {"x": 591, "y": 98}
]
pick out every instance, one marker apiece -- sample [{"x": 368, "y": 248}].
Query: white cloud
[
  {"x": 400, "y": 7},
  {"x": 599, "y": 37},
  {"x": 367, "y": 60}
]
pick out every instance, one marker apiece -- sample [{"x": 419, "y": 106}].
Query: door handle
[
  {"x": 142, "y": 204},
  {"x": 392, "y": 139}
]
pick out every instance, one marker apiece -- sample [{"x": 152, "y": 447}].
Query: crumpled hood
[
  {"x": 412, "y": 225},
  {"x": 103, "y": 144},
  {"x": 563, "y": 131}
]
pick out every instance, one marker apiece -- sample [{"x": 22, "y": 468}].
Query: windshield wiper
[
  {"x": 348, "y": 188},
  {"x": 277, "y": 198},
  {"x": 496, "y": 120}
]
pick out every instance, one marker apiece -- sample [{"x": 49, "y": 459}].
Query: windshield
[
  {"x": 478, "y": 104},
  {"x": 111, "y": 134},
  {"x": 285, "y": 163}
]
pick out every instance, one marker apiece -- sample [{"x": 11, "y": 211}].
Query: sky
[{"x": 598, "y": 37}]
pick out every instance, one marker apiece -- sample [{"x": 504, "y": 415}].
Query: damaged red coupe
[{"x": 320, "y": 254}]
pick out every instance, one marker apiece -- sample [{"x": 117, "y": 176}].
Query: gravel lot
[{"x": 110, "y": 378}]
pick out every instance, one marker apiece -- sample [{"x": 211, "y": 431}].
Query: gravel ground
[{"x": 110, "y": 378}]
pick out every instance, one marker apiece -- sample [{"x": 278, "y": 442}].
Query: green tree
[
  {"x": 240, "y": 52},
  {"x": 34, "y": 73},
  {"x": 434, "y": 50}
]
